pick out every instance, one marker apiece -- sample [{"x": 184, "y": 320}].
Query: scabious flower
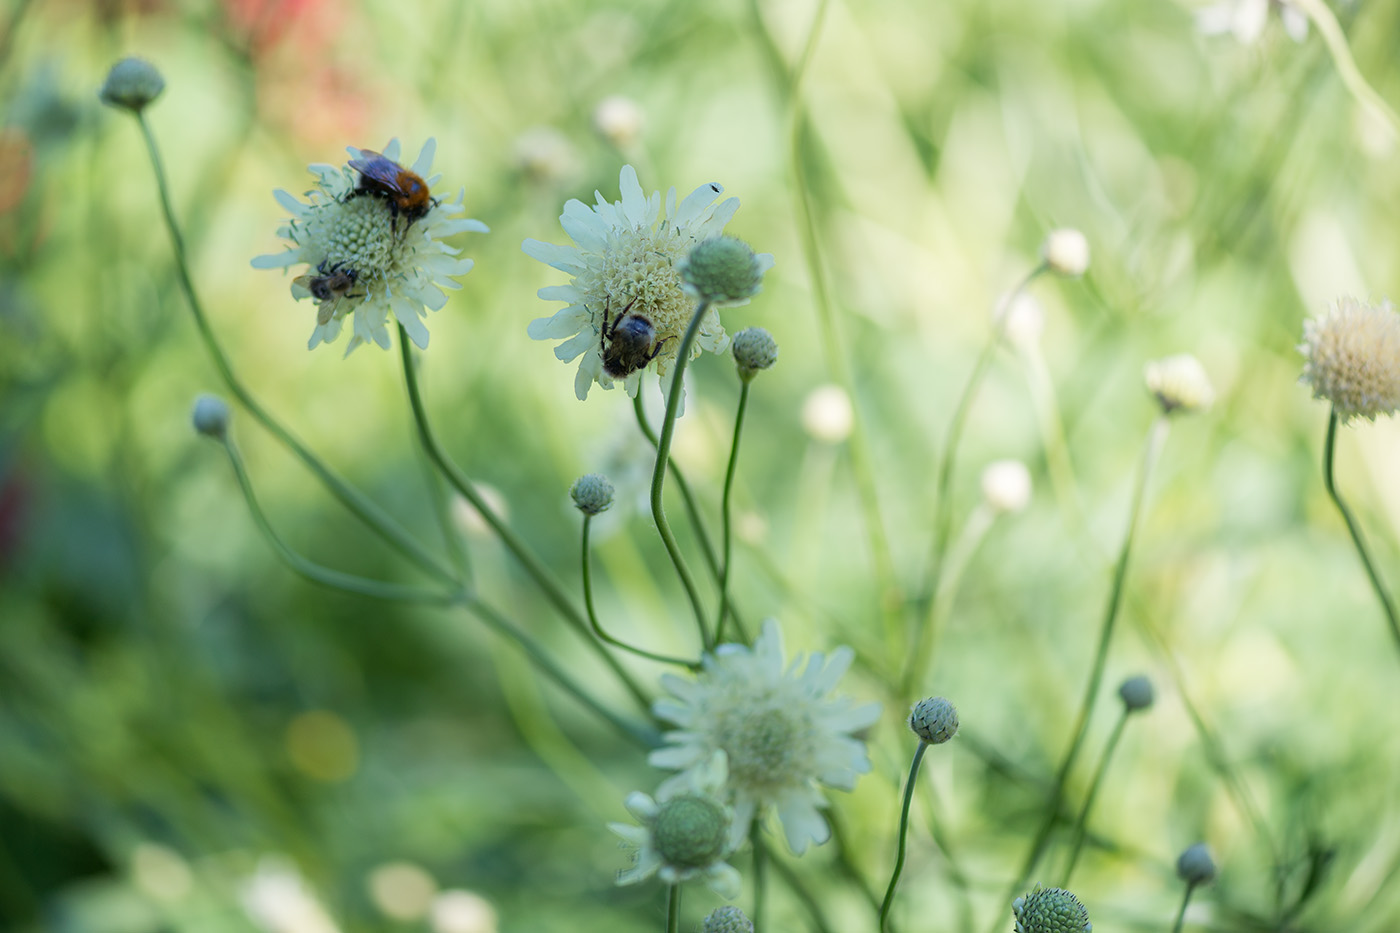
[
  {"x": 685, "y": 831},
  {"x": 1353, "y": 358},
  {"x": 380, "y": 264},
  {"x": 1180, "y": 383},
  {"x": 1050, "y": 910},
  {"x": 1006, "y": 485},
  {"x": 727, "y": 920},
  {"x": 1066, "y": 252},
  {"x": 1245, "y": 19},
  {"x": 934, "y": 720},
  {"x": 628, "y": 254},
  {"x": 782, "y": 730}
]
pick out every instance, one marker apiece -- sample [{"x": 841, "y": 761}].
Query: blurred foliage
[{"x": 176, "y": 707}]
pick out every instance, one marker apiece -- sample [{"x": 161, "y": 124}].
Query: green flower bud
[
  {"x": 592, "y": 493},
  {"x": 727, "y": 920},
  {"x": 691, "y": 831},
  {"x": 1195, "y": 866},
  {"x": 723, "y": 270},
  {"x": 934, "y": 720},
  {"x": 1050, "y": 910},
  {"x": 131, "y": 85},
  {"x": 1136, "y": 693},
  {"x": 754, "y": 350},
  {"x": 210, "y": 416}
]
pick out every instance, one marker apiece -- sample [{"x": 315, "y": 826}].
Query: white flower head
[
  {"x": 365, "y": 261},
  {"x": 1066, "y": 252},
  {"x": 1180, "y": 383},
  {"x": 828, "y": 415},
  {"x": 685, "y": 831},
  {"x": 627, "y": 255},
  {"x": 783, "y": 731},
  {"x": 1353, "y": 358},
  {"x": 620, "y": 120},
  {"x": 1006, "y": 485},
  {"x": 1245, "y": 19}
]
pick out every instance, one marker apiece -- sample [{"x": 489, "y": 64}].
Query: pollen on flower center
[
  {"x": 767, "y": 748},
  {"x": 359, "y": 234},
  {"x": 641, "y": 265}
]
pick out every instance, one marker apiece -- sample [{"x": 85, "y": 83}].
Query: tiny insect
[
  {"x": 329, "y": 286},
  {"x": 405, "y": 193},
  {"x": 629, "y": 343}
]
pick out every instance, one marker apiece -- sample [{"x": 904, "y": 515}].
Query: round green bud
[
  {"x": 754, "y": 350},
  {"x": 1050, "y": 910},
  {"x": 1136, "y": 693},
  {"x": 727, "y": 920},
  {"x": 210, "y": 416},
  {"x": 131, "y": 85},
  {"x": 691, "y": 831},
  {"x": 934, "y": 720},
  {"x": 592, "y": 493},
  {"x": 722, "y": 269},
  {"x": 1195, "y": 866}
]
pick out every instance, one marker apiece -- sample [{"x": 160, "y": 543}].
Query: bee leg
[{"x": 657, "y": 349}]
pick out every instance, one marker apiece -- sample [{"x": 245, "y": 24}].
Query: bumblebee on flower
[
  {"x": 372, "y": 240},
  {"x": 627, "y": 302}
]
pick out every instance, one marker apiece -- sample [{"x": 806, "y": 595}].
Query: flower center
[
  {"x": 691, "y": 831},
  {"x": 767, "y": 748},
  {"x": 358, "y": 233}
]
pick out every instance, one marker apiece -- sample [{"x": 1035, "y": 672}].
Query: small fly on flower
[
  {"x": 405, "y": 193},
  {"x": 629, "y": 343},
  {"x": 329, "y": 286}
]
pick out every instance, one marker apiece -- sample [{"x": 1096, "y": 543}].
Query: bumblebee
[
  {"x": 628, "y": 343},
  {"x": 406, "y": 194},
  {"x": 329, "y": 286}
]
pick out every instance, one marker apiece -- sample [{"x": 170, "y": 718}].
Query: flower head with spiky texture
[
  {"x": 684, "y": 832},
  {"x": 627, "y": 254},
  {"x": 1050, "y": 910},
  {"x": 366, "y": 262},
  {"x": 783, "y": 731},
  {"x": 1353, "y": 358}
]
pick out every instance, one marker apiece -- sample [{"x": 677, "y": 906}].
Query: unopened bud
[
  {"x": 592, "y": 493},
  {"x": 211, "y": 416},
  {"x": 131, "y": 85}
]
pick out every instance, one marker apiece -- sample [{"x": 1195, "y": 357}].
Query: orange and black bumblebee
[
  {"x": 628, "y": 343},
  {"x": 406, "y": 194},
  {"x": 328, "y": 286}
]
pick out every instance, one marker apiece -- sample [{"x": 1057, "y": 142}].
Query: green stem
[
  {"x": 760, "y": 875},
  {"x": 538, "y": 572},
  {"x": 314, "y": 571},
  {"x": 799, "y": 890},
  {"x": 366, "y": 511},
  {"x": 673, "y": 910},
  {"x": 1181, "y": 914},
  {"x": 692, "y": 510},
  {"x": 943, "y": 514},
  {"x": 1155, "y": 437},
  {"x": 658, "y": 476},
  {"x": 593, "y": 615},
  {"x": 494, "y": 620},
  {"x": 724, "y": 509},
  {"x": 903, "y": 834},
  {"x": 1328, "y": 458},
  {"x": 1081, "y": 824}
]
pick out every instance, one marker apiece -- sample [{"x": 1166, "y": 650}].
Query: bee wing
[
  {"x": 326, "y": 310},
  {"x": 378, "y": 169},
  {"x": 301, "y": 287}
]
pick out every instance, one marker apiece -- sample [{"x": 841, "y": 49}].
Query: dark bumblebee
[
  {"x": 328, "y": 286},
  {"x": 406, "y": 194},
  {"x": 629, "y": 343}
]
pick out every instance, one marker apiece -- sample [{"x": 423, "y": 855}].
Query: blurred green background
[{"x": 189, "y": 732}]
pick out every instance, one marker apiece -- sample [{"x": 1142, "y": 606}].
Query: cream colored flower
[
  {"x": 370, "y": 263},
  {"x": 1353, "y": 358},
  {"x": 1006, "y": 485},
  {"x": 1245, "y": 19},
  {"x": 627, "y": 255},
  {"x": 780, "y": 726},
  {"x": 1180, "y": 383}
]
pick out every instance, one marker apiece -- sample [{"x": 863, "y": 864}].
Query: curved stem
[
  {"x": 1155, "y": 437},
  {"x": 538, "y": 572},
  {"x": 363, "y": 509},
  {"x": 1081, "y": 824},
  {"x": 1328, "y": 457},
  {"x": 314, "y": 571},
  {"x": 724, "y": 509},
  {"x": 692, "y": 510},
  {"x": 1181, "y": 914},
  {"x": 658, "y": 475},
  {"x": 673, "y": 910},
  {"x": 760, "y": 875},
  {"x": 641, "y": 734},
  {"x": 593, "y": 615},
  {"x": 903, "y": 834}
]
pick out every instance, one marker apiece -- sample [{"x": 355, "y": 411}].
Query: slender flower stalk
[
  {"x": 1195, "y": 867},
  {"x": 658, "y": 476},
  {"x": 361, "y": 507},
  {"x": 593, "y": 615},
  {"x": 551, "y": 587},
  {"x": 673, "y": 910},
  {"x": 1080, "y": 823},
  {"x": 1181, "y": 913},
  {"x": 724, "y": 510},
  {"x": 909, "y": 784},
  {"x": 760, "y": 875},
  {"x": 692, "y": 510},
  {"x": 1354, "y": 529},
  {"x": 1156, "y": 436}
]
